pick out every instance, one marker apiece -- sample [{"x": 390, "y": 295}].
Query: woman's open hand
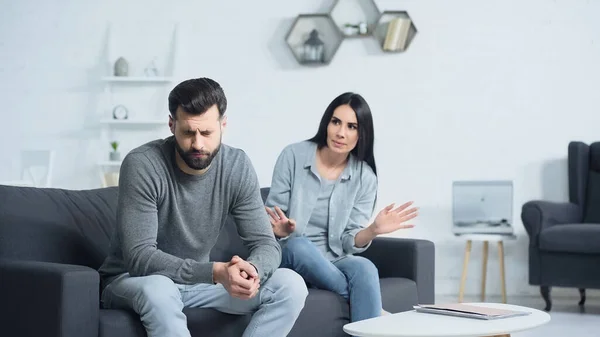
[
  {"x": 391, "y": 219},
  {"x": 282, "y": 226}
]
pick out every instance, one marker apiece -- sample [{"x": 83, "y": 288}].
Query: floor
[{"x": 567, "y": 320}]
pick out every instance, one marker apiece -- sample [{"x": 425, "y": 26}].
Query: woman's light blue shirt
[{"x": 295, "y": 187}]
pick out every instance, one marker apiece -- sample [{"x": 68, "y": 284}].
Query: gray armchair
[{"x": 564, "y": 245}]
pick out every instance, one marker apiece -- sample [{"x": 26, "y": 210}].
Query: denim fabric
[
  {"x": 159, "y": 302},
  {"x": 353, "y": 277}
]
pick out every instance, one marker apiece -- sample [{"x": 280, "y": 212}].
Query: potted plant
[{"x": 114, "y": 155}]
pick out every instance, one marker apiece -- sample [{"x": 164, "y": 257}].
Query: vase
[
  {"x": 114, "y": 156},
  {"x": 121, "y": 67}
]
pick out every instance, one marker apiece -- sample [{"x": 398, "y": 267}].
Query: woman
[{"x": 322, "y": 196}]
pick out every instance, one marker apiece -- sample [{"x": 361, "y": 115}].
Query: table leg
[
  {"x": 484, "y": 269},
  {"x": 502, "y": 274},
  {"x": 463, "y": 277}
]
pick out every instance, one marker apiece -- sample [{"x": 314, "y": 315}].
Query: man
[{"x": 174, "y": 197}]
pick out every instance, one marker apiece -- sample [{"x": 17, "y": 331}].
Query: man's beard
[{"x": 197, "y": 163}]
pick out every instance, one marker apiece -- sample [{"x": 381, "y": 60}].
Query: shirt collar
[{"x": 312, "y": 155}]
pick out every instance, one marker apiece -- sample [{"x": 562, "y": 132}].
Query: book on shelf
[
  {"x": 469, "y": 311},
  {"x": 397, "y": 34}
]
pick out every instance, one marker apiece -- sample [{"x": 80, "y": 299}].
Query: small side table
[{"x": 485, "y": 238}]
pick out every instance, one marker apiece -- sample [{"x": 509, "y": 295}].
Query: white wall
[{"x": 488, "y": 90}]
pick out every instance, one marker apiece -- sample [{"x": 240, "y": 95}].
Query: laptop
[{"x": 482, "y": 207}]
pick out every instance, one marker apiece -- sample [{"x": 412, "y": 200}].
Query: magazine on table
[{"x": 469, "y": 311}]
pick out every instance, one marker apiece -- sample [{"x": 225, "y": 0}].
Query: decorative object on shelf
[
  {"x": 314, "y": 39},
  {"x": 121, "y": 67},
  {"x": 397, "y": 34},
  {"x": 151, "y": 69},
  {"x": 114, "y": 155},
  {"x": 394, "y": 30},
  {"x": 361, "y": 29},
  {"x": 314, "y": 48},
  {"x": 350, "y": 29},
  {"x": 120, "y": 112},
  {"x": 355, "y": 18}
]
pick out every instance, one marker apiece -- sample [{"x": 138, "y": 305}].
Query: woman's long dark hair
[{"x": 366, "y": 134}]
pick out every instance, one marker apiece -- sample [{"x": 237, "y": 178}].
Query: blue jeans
[
  {"x": 159, "y": 302},
  {"x": 353, "y": 277}
]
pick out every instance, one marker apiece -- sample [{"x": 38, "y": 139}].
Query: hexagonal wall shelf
[
  {"x": 355, "y": 18},
  {"x": 314, "y": 39},
  {"x": 395, "y": 31}
]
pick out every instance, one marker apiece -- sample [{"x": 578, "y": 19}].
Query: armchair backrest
[{"x": 584, "y": 179}]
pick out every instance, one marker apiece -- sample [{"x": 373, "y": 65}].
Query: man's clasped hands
[{"x": 239, "y": 277}]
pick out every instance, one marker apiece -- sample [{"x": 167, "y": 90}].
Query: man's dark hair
[{"x": 197, "y": 95}]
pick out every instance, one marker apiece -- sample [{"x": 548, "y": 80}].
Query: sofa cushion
[
  {"x": 398, "y": 294},
  {"x": 201, "y": 322},
  {"x": 571, "y": 238},
  {"x": 212, "y": 323},
  {"x": 229, "y": 242},
  {"x": 324, "y": 314},
  {"x": 122, "y": 323},
  {"x": 56, "y": 225}
]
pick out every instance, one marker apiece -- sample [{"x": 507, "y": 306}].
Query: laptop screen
[{"x": 478, "y": 202}]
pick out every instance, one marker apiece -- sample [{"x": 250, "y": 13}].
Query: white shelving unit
[
  {"x": 109, "y": 163},
  {"x": 140, "y": 79},
  {"x": 144, "y": 96},
  {"x": 135, "y": 122}
]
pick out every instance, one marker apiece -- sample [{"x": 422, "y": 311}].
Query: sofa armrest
[
  {"x": 48, "y": 299},
  {"x": 538, "y": 215},
  {"x": 409, "y": 258}
]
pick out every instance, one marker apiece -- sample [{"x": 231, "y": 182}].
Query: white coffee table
[{"x": 414, "y": 324}]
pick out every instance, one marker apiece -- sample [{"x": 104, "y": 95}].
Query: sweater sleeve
[
  {"x": 137, "y": 226},
  {"x": 253, "y": 224}
]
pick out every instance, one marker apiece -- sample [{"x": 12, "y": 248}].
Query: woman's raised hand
[
  {"x": 282, "y": 226},
  {"x": 391, "y": 219}
]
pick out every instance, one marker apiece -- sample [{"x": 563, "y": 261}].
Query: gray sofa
[
  {"x": 52, "y": 241},
  {"x": 564, "y": 237}
]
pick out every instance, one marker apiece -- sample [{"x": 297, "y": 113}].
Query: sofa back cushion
[
  {"x": 229, "y": 242},
  {"x": 56, "y": 225},
  {"x": 74, "y": 227}
]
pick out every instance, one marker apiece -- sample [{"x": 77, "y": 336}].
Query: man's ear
[
  {"x": 223, "y": 123},
  {"x": 171, "y": 124}
]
